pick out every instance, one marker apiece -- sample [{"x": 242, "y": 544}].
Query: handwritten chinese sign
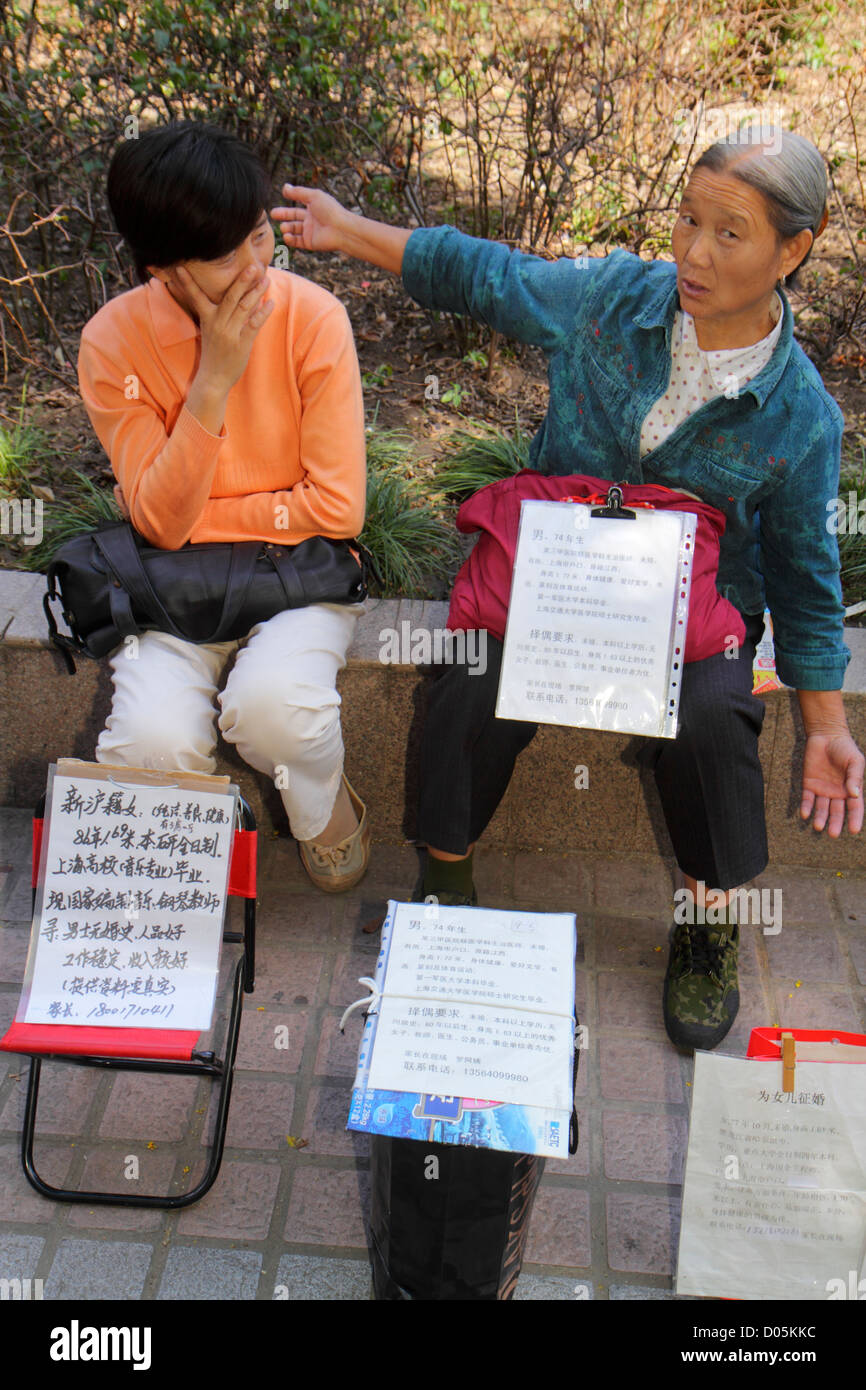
[{"x": 130, "y": 904}]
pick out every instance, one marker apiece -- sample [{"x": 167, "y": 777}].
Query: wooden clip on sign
[{"x": 789, "y": 1058}]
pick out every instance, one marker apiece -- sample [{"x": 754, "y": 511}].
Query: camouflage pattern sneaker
[{"x": 701, "y": 996}]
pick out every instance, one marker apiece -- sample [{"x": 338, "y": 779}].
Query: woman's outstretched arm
[
  {"x": 519, "y": 295},
  {"x": 322, "y": 224}
]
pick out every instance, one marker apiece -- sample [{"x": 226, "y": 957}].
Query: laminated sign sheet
[
  {"x": 130, "y": 899},
  {"x": 597, "y": 619},
  {"x": 475, "y": 1002},
  {"x": 774, "y": 1200}
]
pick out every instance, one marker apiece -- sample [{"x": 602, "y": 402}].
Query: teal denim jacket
[{"x": 767, "y": 458}]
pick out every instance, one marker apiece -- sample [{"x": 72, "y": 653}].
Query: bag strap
[
  {"x": 573, "y": 1133},
  {"x": 120, "y": 607},
  {"x": 242, "y": 567},
  {"x": 119, "y": 550},
  {"x": 368, "y": 566},
  {"x": 280, "y": 557},
  {"x": 65, "y": 645}
]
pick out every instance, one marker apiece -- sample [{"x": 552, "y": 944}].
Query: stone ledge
[
  {"x": 22, "y": 624},
  {"x": 50, "y": 715}
]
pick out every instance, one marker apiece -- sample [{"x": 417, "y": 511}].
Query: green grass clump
[
  {"x": 409, "y": 526},
  {"x": 87, "y": 507},
  {"x": 389, "y": 449},
  {"x": 471, "y": 459},
  {"x": 416, "y": 550},
  {"x": 408, "y": 529},
  {"x": 20, "y": 447},
  {"x": 852, "y": 551}
]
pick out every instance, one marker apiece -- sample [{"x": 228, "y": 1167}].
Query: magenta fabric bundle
[{"x": 482, "y": 588}]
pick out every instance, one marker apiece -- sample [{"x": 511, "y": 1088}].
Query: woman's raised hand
[
  {"x": 316, "y": 225},
  {"x": 323, "y": 224}
]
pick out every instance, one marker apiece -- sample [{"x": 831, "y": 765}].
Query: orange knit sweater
[{"x": 290, "y": 460}]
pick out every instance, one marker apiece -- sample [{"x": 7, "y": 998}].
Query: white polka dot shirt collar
[
  {"x": 722, "y": 364},
  {"x": 698, "y": 376}
]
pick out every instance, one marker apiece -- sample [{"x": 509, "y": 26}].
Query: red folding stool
[{"x": 171, "y": 1052}]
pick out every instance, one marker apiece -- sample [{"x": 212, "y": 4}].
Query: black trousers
[{"x": 709, "y": 777}]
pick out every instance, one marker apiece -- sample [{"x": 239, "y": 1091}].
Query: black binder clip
[{"x": 613, "y": 508}]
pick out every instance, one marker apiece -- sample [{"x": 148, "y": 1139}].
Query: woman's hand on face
[
  {"x": 833, "y": 768},
  {"x": 228, "y": 329},
  {"x": 316, "y": 226}
]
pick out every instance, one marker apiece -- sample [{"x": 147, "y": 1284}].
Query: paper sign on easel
[
  {"x": 130, "y": 898},
  {"x": 597, "y": 619}
]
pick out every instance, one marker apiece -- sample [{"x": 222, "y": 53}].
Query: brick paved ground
[{"x": 290, "y": 1222}]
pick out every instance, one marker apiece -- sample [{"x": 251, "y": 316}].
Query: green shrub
[
  {"x": 312, "y": 87},
  {"x": 21, "y": 448},
  {"x": 852, "y": 545}
]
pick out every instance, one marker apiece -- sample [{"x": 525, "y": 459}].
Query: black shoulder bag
[{"x": 112, "y": 584}]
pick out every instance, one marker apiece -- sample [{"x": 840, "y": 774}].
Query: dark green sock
[{"x": 448, "y": 876}]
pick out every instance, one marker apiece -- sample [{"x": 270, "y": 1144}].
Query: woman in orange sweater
[{"x": 228, "y": 397}]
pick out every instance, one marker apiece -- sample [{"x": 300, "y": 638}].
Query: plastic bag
[{"x": 448, "y": 1221}]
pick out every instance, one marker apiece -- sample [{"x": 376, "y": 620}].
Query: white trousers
[{"x": 280, "y": 706}]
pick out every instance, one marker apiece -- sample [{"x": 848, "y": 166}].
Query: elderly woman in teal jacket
[{"x": 687, "y": 375}]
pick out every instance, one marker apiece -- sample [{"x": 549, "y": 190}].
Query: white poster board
[
  {"x": 130, "y": 899},
  {"x": 597, "y": 619},
  {"x": 774, "y": 1198}
]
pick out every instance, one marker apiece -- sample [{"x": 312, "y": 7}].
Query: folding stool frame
[{"x": 198, "y": 1064}]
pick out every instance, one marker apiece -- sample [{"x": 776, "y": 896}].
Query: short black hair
[{"x": 185, "y": 191}]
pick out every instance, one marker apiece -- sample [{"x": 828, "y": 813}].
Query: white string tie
[{"x": 372, "y": 998}]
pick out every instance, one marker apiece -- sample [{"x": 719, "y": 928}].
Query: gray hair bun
[{"x": 786, "y": 168}]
